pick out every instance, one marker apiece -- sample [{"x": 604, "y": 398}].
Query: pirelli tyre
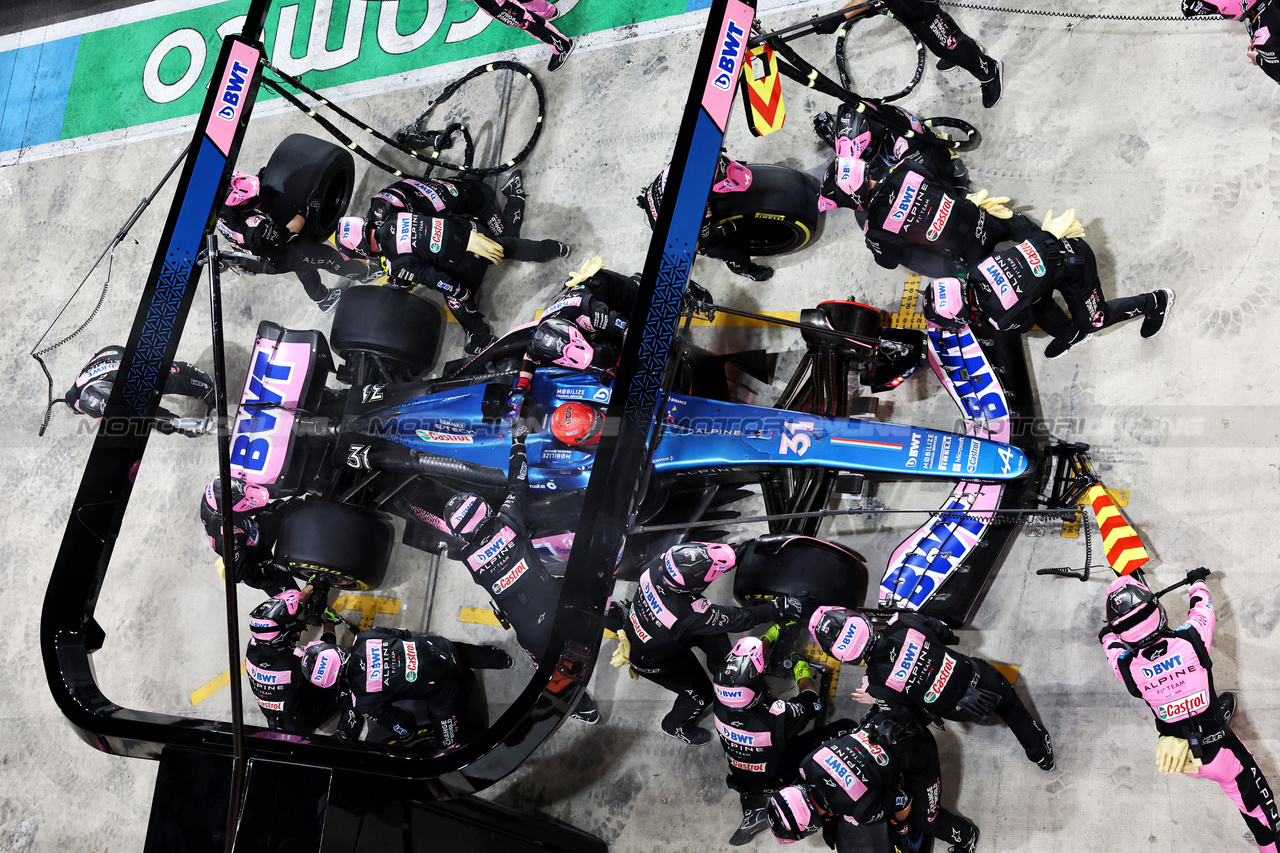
[
  {"x": 776, "y": 215},
  {"x": 348, "y": 545},
  {"x": 388, "y": 322},
  {"x": 309, "y": 177},
  {"x": 786, "y": 564}
]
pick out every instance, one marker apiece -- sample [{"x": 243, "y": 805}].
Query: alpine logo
[
  {"x": 504, "y": 583},
  {"x": 445, "y": 437},
  {"x": 944, "y": 675},
  {"x": 437, "y": 236},
  {"x": 1029, "y": 252},
  {"x": 410, "y": 661},
  {"x": 1185, "y": 707},
  {"x": 1006, "y": 459},
  {"x": 940, "y": 220},
  {"x": 1163, "y": 666},
  {"x": 730, "y": 53}
]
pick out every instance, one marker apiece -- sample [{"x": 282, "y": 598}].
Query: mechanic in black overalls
[
  {"x": 248, "y": 226},
  {"x": 758, "y": 731},
  {"x": 273, "y": 661},
  {"x": 419, "y": 687},
  {"x": 877, "y": 134},
  {"x": 669, "y": 616},
  {"x": 534, "y": 17},
  {"x": 1261, "y": 18},
  {"x": 473, "y": 199},
  {"x": 503, "y": 562},
  {"x": 88, "y": 395},
  {"x": 907, "y": 664},
  {"x": 1014, "y": 287},
  {"x": 257, "y": 523}
]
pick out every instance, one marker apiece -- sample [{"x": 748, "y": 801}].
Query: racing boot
[
  {"x": 944, "y": 65},
  {"x": 1227, "y": 707},
  {"x": 330, "y": 299},
  {"x": 560, "y": 56},
  {"x": 587, "y": 711},
  {"x": 1058, "y": 346},
  {"x": 751, "y": 270},
  {"x": 1153, "y": 322},
  {"x": 689, "y": 733},
  {"x": 754, "y": 821},
  {"x": 1046, "y": 759},
  {"x": 968, "y": 844},
  {"x": 993, "y": 85}
]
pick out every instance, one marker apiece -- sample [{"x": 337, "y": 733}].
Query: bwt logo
[
  {"x": 726, "y": 693},
  {"x": 730, "y": 53},
  {"x": 910, "y": 652},
  {"x": 744, "y": 738},
  {"x": 375, "y": 661},
  {"x": 1163, "y": 666},
  {"x": 233, "y": 91},
  {"x": 914, "y": 451},
  {"x": 247, "y": 452},
  {"x": 651, "y": 597},
  {"x": 997, "y": 277},
  {"x": 904, "y": 203},
  {"x": 403, "y": 226},
  {"x": 840, "y": 771}
]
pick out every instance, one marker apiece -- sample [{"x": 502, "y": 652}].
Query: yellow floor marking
[
  {"x": 814, "y": 653},
  {"x": 725, "y": 320},
  {"x": 368, "y": 605},
  {"x": 908, "y": 316},
  {"x": 1008, "y": 670},
  {"x": 1071, "y": 529},
  {"x": 478, "y": 616},
  {"x": 203, "y": 693}
]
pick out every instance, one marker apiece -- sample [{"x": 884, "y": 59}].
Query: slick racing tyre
[
  {"x": 776, "y": 215},
  {"x": 311, "y": 177},
  {"x": 350, "y": 546},
  {"x": 387, "y": 322},
  {"x": 786, "y": 564}
]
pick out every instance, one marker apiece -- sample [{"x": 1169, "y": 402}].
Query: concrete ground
[{"x": 1160, "y": 135}]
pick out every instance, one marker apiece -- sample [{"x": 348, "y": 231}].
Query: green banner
[{"x": 155, "y": 69}]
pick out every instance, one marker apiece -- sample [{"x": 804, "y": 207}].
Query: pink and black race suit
[
  {"x": 88, "y": 395},
  {"x": 754, "y": 738},
  {"x": 910, "y": 665},
  {"x": 504, "y": 563},
  {"x": 288, "y": 701},
  {"x": 432, "y": 196},
  {"x": 852, "y": 778},
  {"x": 391, "y": 665},
  {"x": 251, "y": 229},
  {"x": 532, "y": 16},
  {"x": 1174, "y": 676},
  {"x": 664, "y": 623},
  {"x": 430, "y": 251},
  {"x": 1266, "y": 43},
  {"x": 606, "y": 299}
]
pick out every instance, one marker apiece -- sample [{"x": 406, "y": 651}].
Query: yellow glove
[
  {"x": 222, "y": 568},
  {"x": 588, "y": 269},
  {"x": 622, "y": 654},
  {"x": 994, "y": 206},
  {"x": 482, "y": 247},
  {"x": 1065, "y": 225},
  {"x": 1172, "y": 754}
]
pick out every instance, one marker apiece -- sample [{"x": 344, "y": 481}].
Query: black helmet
[
  {"x": 276, "y": 621},
  {"x": 247, "y": 497},
  {"x": 465, "y": 514},
  {"x": 739, "y": 682},
  {"x": 1134, "y": 614},
  {"x": 692, "y": 566},
  {"x": 558, "y": 341}
]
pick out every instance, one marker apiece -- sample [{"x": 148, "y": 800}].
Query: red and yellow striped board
[
  {"x": 1125, "y": 551},
  {"x": 763, "y": 95}
]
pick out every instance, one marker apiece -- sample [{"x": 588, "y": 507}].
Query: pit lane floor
[{"x": 1160, "y": 135}]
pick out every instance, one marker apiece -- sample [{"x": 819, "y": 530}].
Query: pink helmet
[
  {"x": 247, "y": 496},
  {"x": 840, "y": 633},
  {"x": 322, "y": 663},
  {"x": 731, "y": 176},
  {"x": 851, "y": 174},
  {"x": 948, "y": 297},
  {"x": 241, "y": 188},
  {"x": 1134, "y": 613},
  {"x": 791, "y": 814},
  {"x": 692, "y": 566},
  {"x": 739, "y": 682},
  {"x": 351, "y": 233},
  {"x": 558, "y": 341},
  {"x": 465, "y": 513},
  {"x": 275, "y": 621}
]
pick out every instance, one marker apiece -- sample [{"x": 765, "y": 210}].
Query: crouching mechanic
[
  {"x": 474, "y": 200},
  {"x": 257, "y": 523},
  {"x": 758, "y": 731},
  {"x": 503, "y": 562},
  {"x": 669, "y": 616},
  {"x": 441, "y": 252},
  {"x": 1171, "y": 670},
  {"x": 1014, "y": 287},
  {"x": 89, "y": 393},
  {"x": 907, "y": 664},
  {"x": 419, "y": 687},
  {"x": 289, "y": 701}
]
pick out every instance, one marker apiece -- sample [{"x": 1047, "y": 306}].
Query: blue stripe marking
[
  {"x": 35, "y": 82},
  {"x": 695, "y": 5}
]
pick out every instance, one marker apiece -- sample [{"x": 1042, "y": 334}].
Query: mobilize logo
[
  {"x": 233, "y": 91},
  {"x": 730, "y": 53},
  {"x": 940, "y": 220},
  {"x": 1163, "y": 666},
  {"x": 504, "y": 583},
  {"x": 410, "y": 661}
]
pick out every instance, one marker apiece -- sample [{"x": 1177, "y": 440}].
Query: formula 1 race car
[{"x": 392, "y": 442}]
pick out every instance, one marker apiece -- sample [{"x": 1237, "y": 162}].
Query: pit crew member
[{"x": 89, "y": 393}]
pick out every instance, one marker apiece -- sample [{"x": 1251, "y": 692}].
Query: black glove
[
  {"x": 978, "y": 702},
  {"x": 519, "y": 433},
  {"x": 698, "y": 293},
  {"x": 829, "y": 831},
  {"x": 601, "y": 316},
  {"x": 790, "y": 608},
  {"x": 1198, "y": 574},
  {"x": 947, "y": 636}
]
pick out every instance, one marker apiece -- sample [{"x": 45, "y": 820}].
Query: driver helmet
[
  {"x": 577, "y": 424},
  {"x": 242, "y": 188},
  {"x": 739, "y": 682},
  {"x": 464, "y": 514},
  {"x": 353, "y": 235},
  {"x": 322, "y": 663},
  {"x": 841, "y": 633},
  {"x": 558, "y": 341},
  {"x": 692, "y": 566},
  {"x": 1134, "y": 614},
  {"x": 731, "y": 176},
  {"x": 275, "y": 621},
  {"x": 793, "y": 814},
  {"x": 946, "y": 305}
]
